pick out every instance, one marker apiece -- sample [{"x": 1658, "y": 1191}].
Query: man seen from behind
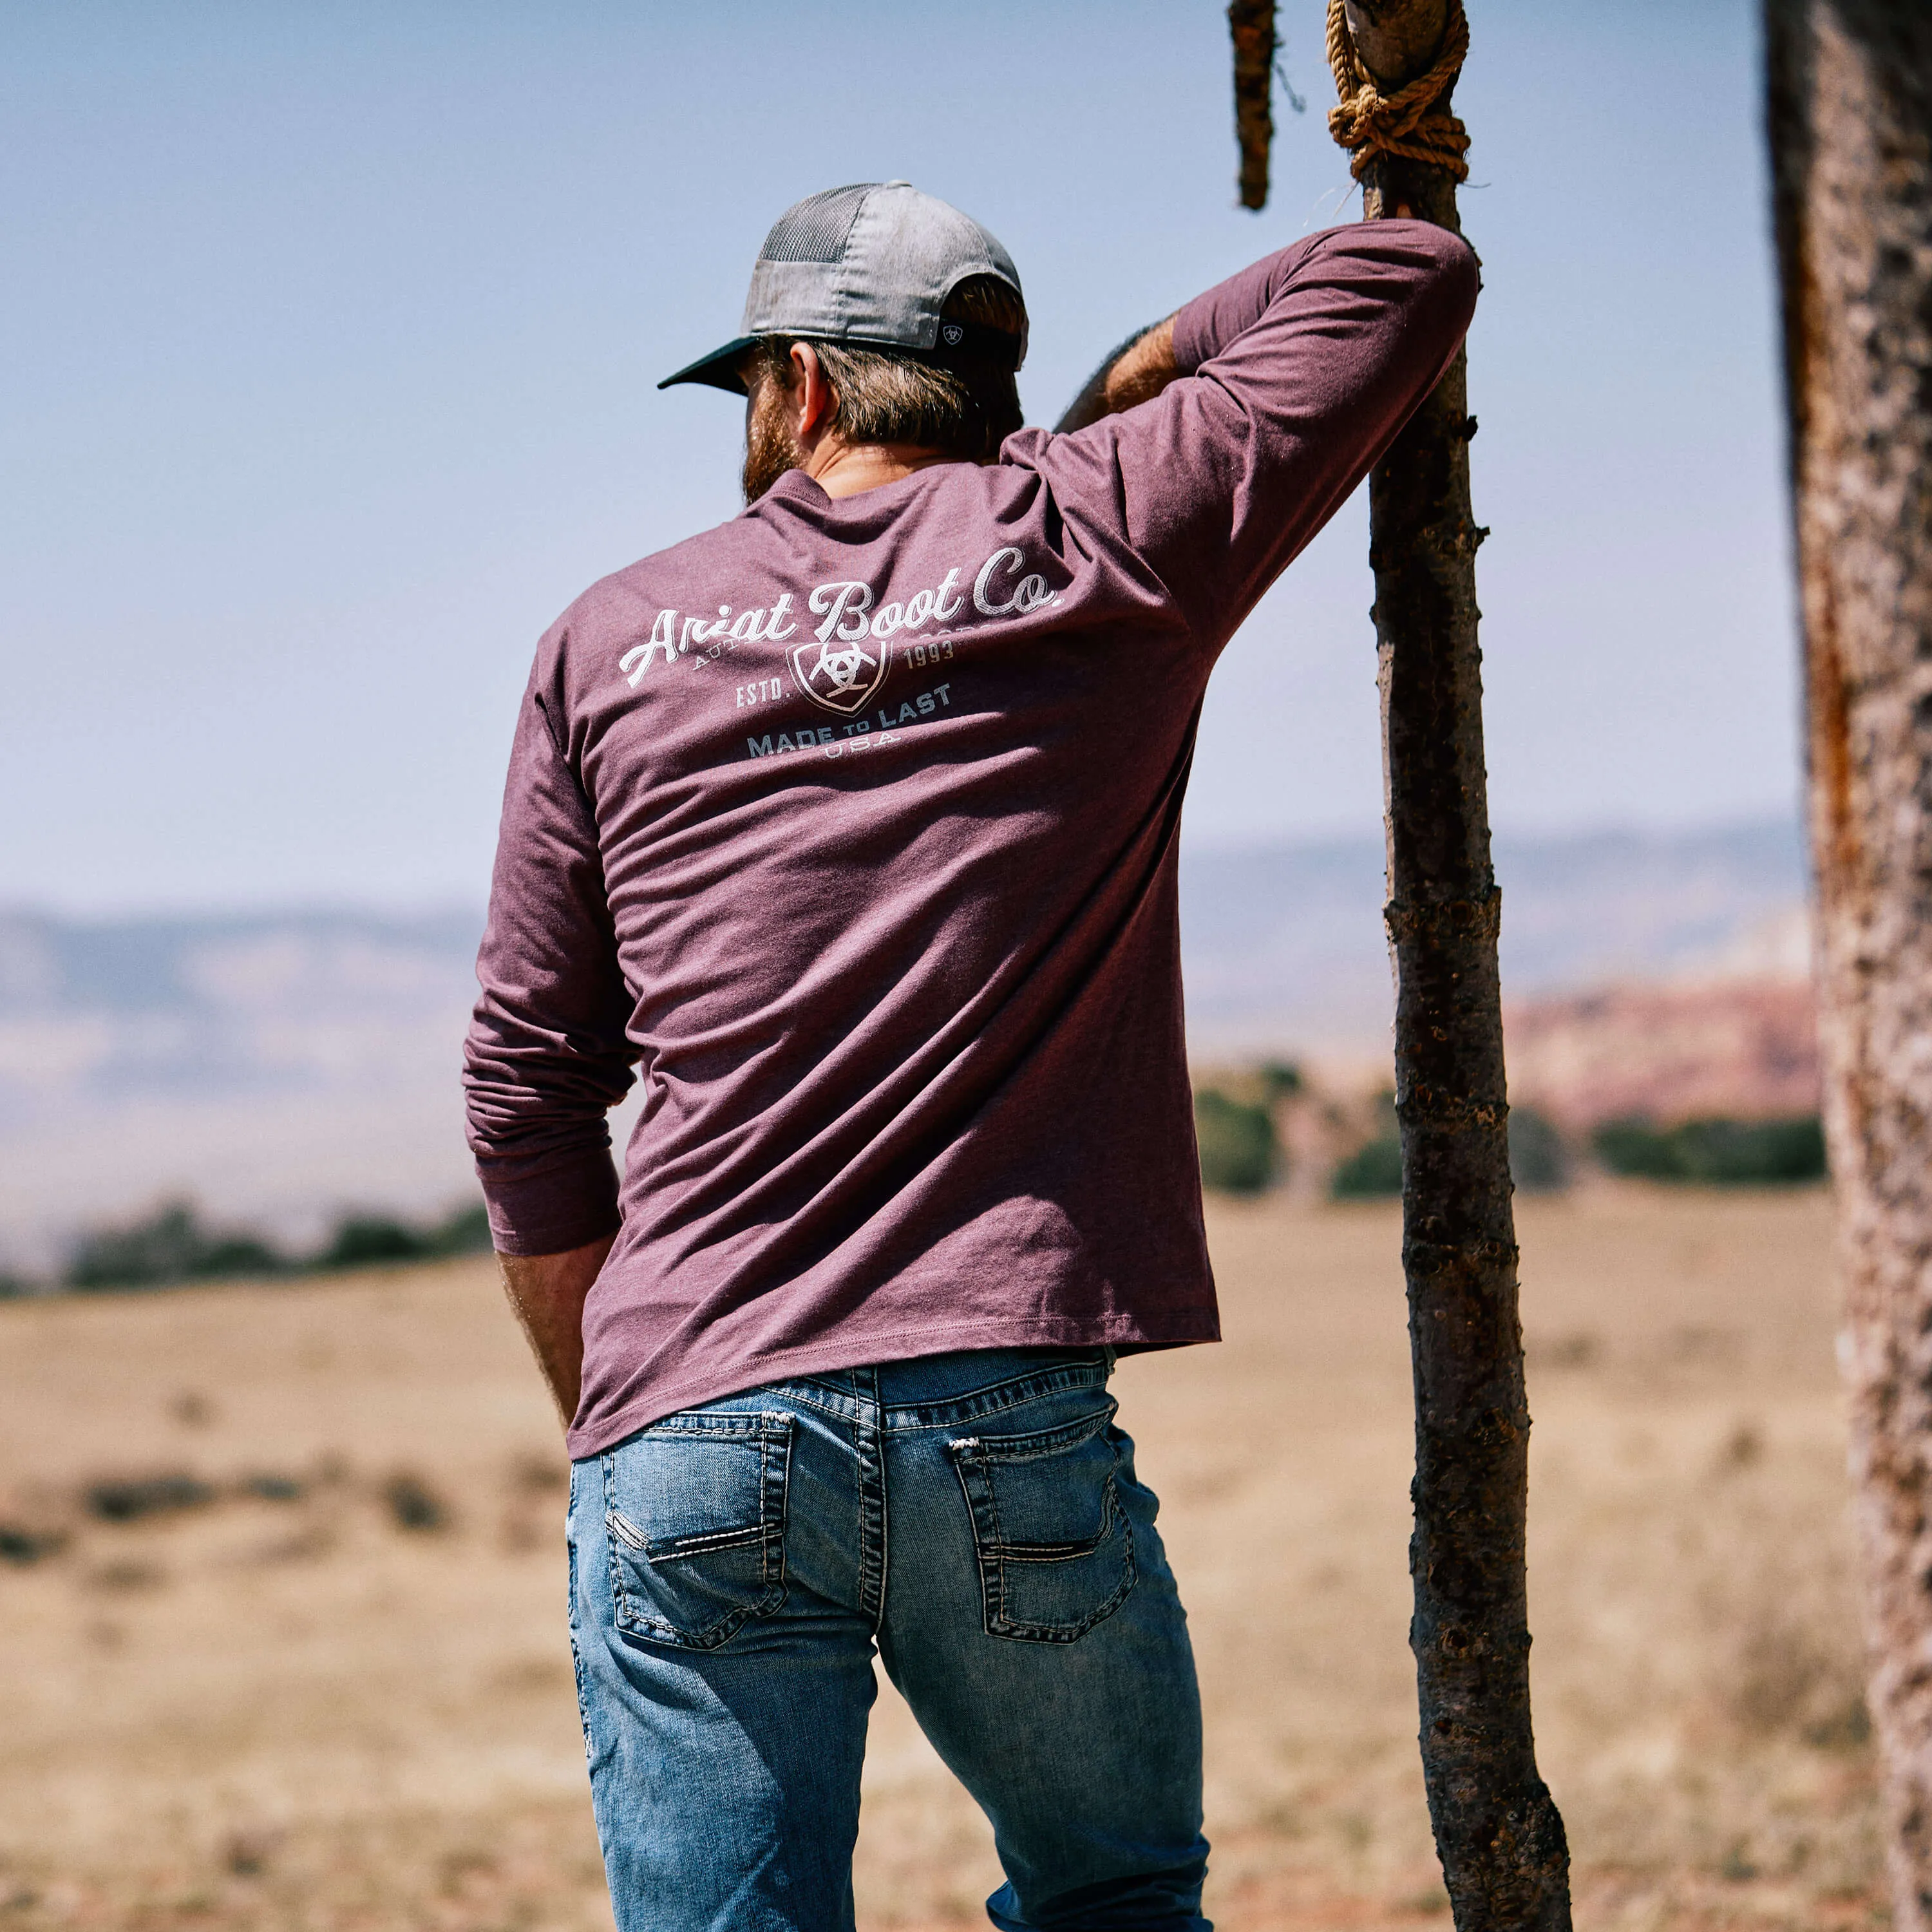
[{"x": 849, "y": 827}]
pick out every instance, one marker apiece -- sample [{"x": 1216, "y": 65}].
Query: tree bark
[
  {"x": 1504, "y": 1857},
  {"x": 1849, "y": 118}
]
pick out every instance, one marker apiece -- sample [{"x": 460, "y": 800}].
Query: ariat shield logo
[
  {"x": 840, "y": 673},
  {"x": 952, "y": 335}
]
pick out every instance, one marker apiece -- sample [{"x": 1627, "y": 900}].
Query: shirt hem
[{"x": 898, "y": 1345}]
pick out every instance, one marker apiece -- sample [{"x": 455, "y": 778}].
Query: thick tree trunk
[
  {"x": 1850, "y": 122},
  {"x": 1504, "y": 1855}
]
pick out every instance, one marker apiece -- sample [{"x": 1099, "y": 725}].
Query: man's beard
[{"x": 770, "y": 449}]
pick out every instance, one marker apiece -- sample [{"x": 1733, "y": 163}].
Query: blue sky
[{"x": 330, "y": 335}]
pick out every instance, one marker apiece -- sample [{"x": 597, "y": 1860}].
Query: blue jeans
[{"x": 975, "y": 1517}]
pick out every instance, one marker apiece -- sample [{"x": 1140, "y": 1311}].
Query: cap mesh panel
[{"x": 816, "y": 230}]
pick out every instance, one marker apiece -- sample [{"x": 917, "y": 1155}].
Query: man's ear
[{"x": 812, "y": 397}]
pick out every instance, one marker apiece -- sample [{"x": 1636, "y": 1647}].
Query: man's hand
[
  {"x": 547, "y": 1292},
  {"x": 1136, "y": 372}
]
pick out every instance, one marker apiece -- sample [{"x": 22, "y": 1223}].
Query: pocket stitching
[
  {"x": 993, "y": 1555},
  {"x": 672, "y": 1548},
  {"x": 768, "y": 1429},
  {"x": 1029, "y": 1448}
]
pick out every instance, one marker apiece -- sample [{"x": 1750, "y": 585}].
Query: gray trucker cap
[{"x": 870, "y": 266}]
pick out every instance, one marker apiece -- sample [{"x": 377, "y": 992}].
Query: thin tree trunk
[
  {"x": 1504, "y": 1857},
  {"x": 1251, "y": 24},
  {"x": 1849, "y": 114}
]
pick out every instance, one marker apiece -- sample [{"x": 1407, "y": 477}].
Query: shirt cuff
[
  {"x": 554, "y": 1209},
  {"x": 1193, "y": 344}
]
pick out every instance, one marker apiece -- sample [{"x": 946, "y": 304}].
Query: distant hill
[
  {"x": 1747, "y": 1048},
  {"x": 282, "y": 1065},
  {"x": 276, "y": 1066},
  {"x": 1284, "y": 946}
]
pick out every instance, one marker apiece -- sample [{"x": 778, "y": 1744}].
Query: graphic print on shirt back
[
  {"x": 840, "y": 667},
  {"x": 840, "y": 673},
  {"x": 844, "y": 660}
]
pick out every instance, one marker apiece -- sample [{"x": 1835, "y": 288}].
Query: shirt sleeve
[
  {"x": 1295, "y": 376},
  {"x": 547, "y": 1056}
]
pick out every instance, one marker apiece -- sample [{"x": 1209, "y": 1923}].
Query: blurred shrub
[
  {"x": 1373, "y": 1172},
  {"x": 1638, "y": 1148},
  {"x": 1539, "y": 1155},
  {"x": 1238, "y": 1152},
  {"x": 466, "y": 1232},
  {"x": 366, "y": 1241},
  {"x": 1280, "y": 1078},
  {"x": 171, "y": 1244},
  {"x": 1716, "y": 1152},
  {"x": 242, "y": 1254},
  {"x": 361, "y": 1240},
  {"x": 21, "y": 1545},
  {"x": 269, "y": 1485},
  {"x": 128, "y": 1498},
  {"x": 413, "y": 1505}
]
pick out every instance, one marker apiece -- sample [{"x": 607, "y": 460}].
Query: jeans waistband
[{"x": 946, "y": 1391}]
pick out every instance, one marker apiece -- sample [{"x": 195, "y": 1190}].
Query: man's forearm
[
  {"x": 1136, "y": 372},
  {"x": 546, "y": 1293}
]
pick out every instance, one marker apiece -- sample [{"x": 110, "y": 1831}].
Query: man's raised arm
[
  {"x": 1304, "y": 368},
  {"x": 1136, "y": 372}
]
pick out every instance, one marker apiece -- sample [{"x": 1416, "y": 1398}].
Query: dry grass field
[{"x": 282, "y": 1640}]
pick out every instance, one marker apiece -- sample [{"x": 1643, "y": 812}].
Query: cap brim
[{"x": 717, "y": 371}]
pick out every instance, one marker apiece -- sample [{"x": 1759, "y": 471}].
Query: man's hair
[{"x": 886, "y": 395}]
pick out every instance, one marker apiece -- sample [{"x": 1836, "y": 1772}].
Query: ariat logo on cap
[{"x": 952, "y": 335}]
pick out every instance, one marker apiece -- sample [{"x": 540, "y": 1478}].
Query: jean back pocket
[
  {"x": 695, "y": 1508},
  {"x": 1055, "y": 1550}
]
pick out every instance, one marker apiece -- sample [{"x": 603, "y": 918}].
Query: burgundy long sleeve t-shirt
[{"x": 850, "y": 826}]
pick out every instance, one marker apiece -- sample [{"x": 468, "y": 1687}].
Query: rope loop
[{"x": 1408, "y": 122}]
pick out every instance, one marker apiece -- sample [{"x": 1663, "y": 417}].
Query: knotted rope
[{"x": 1408, "y": 122}]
